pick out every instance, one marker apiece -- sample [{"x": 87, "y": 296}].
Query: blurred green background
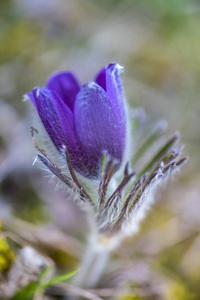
[{"x": 158, "y": 43}]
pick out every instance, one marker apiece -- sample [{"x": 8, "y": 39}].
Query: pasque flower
[
  {"x": 89, "y": 127},
  {"x": 88, "y": 120}
]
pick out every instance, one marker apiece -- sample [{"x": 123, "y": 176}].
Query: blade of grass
[
  {"x": 160, "y": 154},
  {"x": 149, "y": 142},
  {"x": 55, "y": 280}
]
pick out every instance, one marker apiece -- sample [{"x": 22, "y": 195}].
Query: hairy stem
[
  {"x": 93, "y": 264},
  {"x": 91, "y": 268}
]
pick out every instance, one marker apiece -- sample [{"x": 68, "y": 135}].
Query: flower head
[
  {"x": 88, "y": 125},
  {"x": 88, "y": 120}
]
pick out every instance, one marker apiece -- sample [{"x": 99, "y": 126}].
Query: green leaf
[
  {"x": 160, "y": 154},
  {"x": 56, "y": 280},
  {"x": 149, "y": 142},
  {"x": 27, "y": 293},
  {"x": 33, "y": 288}
]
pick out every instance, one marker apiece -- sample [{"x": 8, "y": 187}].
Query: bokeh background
[{"x": 158, "y": 43}]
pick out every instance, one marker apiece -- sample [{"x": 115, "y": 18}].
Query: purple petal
[
  {"x": 56, "y": 117},
  {"x": 97, "y": 125},
  {"x": 101, "y": 78},
  {"x": 116, "y": 96},
  {"x": 114, "y": 86},
  {"x": 58, "y": 121},
  {"x": 66, "y": 86},
  {"x": 109, "y": 79}
]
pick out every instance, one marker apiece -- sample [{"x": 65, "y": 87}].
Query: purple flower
[
  {"x": 87, "y": 120},
  {"x": 89, "y": 123}
]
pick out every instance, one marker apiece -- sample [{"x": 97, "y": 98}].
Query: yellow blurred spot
[
  {"x": 180, "y": 291},
  {"x": 6, "y": 255},
  {"x": 124, "y": 297}
]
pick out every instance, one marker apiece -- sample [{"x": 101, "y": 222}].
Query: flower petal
[
  {"x": 114, "y": 87},
  {"x": 101, "y": 78},
  {"x": 58, "y": 121},
  {"x": 66, "y": 85},
  {"x": 56, "y": 117},
  {"x": 116, "y": 96},
  {"x": 97, "y": 125},
  {"x": 109, "y": 79}
]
